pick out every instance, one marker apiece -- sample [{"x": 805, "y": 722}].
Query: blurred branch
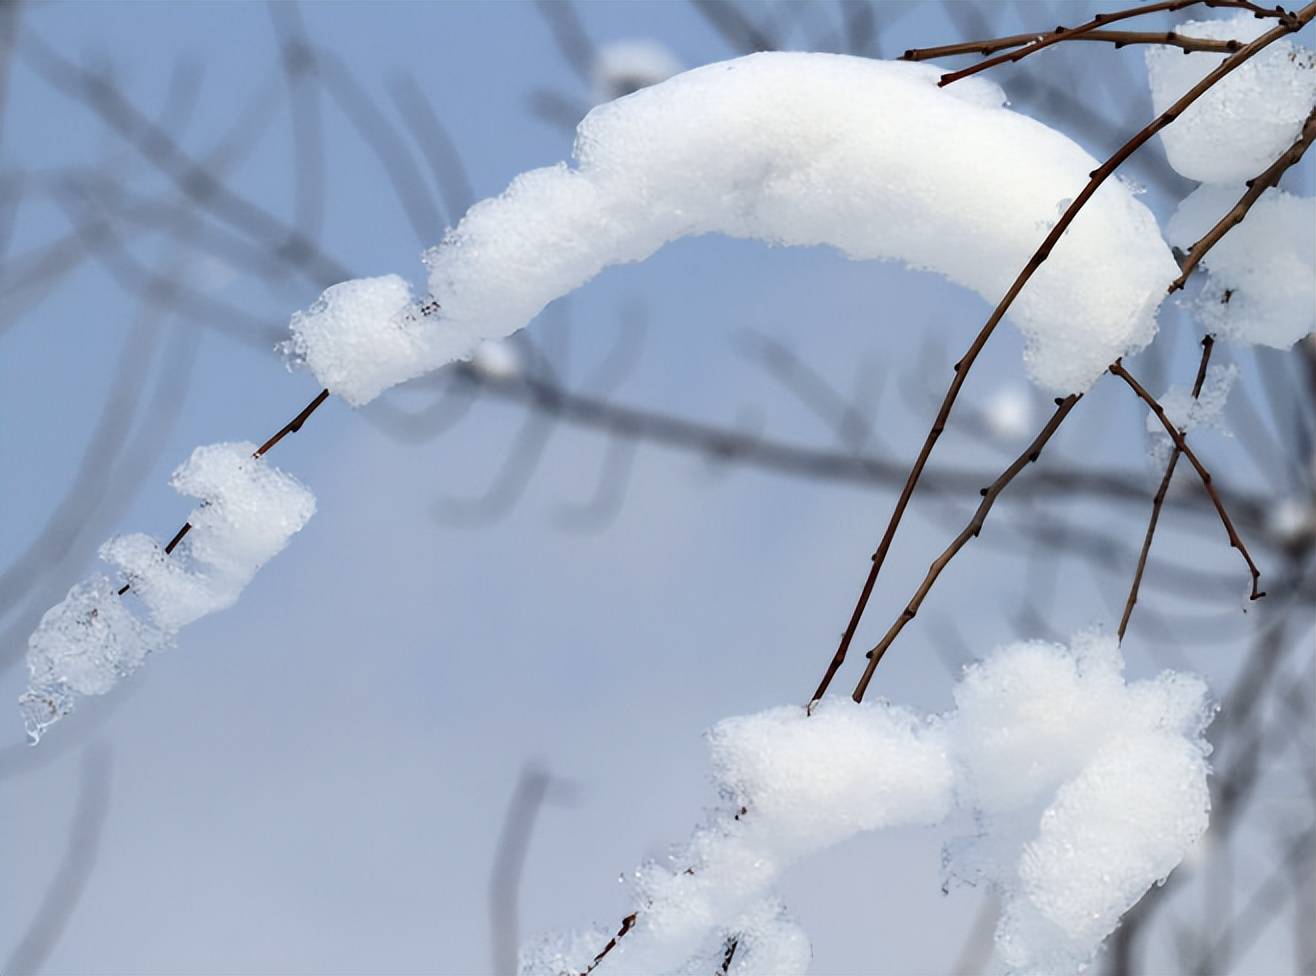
[{"x": 61, "y": 899}]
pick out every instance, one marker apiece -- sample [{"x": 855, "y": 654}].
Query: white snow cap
[
  {"x": 870, "y": 157},
  {"x": 1084, "y": 791},
  {"x": 1239, "y": 127},
  {"x": 1262, "y": 283},
  {"x": 86, "y": 643}
]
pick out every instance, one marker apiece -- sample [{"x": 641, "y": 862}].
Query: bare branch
[
  {"x": 971, "y": 531},
  {"x": 1098, "y": 176},
  {"x": 1118, "y": 38},
  {"x": 1255, "y": 188},
  {"x": 1181, "y": 443},
  {"x": 1208, "y": 343}
]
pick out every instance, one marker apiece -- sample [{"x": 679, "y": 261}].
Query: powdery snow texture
[
  {"x": 1239, "y": 127},
  {"x": 85, "y": 644},
  {"x": 1083, "y": 791},
  {"x": 870, "y": 157}
]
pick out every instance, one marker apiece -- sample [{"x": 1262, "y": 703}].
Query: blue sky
[{"x": 313, "y": 781}]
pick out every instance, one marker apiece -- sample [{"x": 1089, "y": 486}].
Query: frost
[
  {"x": 869, "y": 157},
  {"x": 90, "y": 640},
  {"x": 624, "y": 67},
  {"x": 1238, "y": 128},
  {"x": 1189, "y": 413},
  {"x": 1084, "y": 790},
  {"x": 1262, "y": 283}
]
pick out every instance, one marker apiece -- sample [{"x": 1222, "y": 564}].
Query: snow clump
[
  {"x": 1238, "y": 128},
  {"x": 85, "y": 644},
  {"x": 869, "y": 157},
  {"x": 1083, "y": 790}
]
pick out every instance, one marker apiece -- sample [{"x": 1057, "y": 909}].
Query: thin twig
[
  {"x": 1208, "y": 343},
  {"x": 1255, "y": 188},
  {"x": 1098, "y": 176},
  {"x": 1048, "y": 38},
  {"x": 627, "y": 924},
  {"x": 1118, "y": 38},
  {"x": 729, "y": 954},
  {"x": 1182, "y": 444},
  {"x": 970, "y": 531},
  {"x": 291, "y": 427}
]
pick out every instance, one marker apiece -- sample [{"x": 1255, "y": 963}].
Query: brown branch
[
  {"x": 1208, "y": 343},
  {"x": 1255, "y": 188},
  {"x": 729, "y": 954},
  {"x": 1098, "y": 176},
  {"x": 970, "y": 531},
  {"x": 291, "y": 427},
  {"x": 1182, "y": 445},
  {"x": 1048, "y": 38},
  {"x": 627, "y": 924},
  {"x": 1118, "y": 38}
]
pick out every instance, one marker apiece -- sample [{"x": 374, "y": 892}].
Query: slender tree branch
[
  {"x": 627, "y": 924},
  {"x": 728, "y": 954},
  {"x": 1181, "y": 443},
  {"x": 291, "y": 427},
  {"x": 1116, "y": 37},
  {"x": 1098, "y": 176},
  {"x": 970, "y": 531},
  {"x": 1208, "y": 343},
  {"x": 1048, "y": 38},
  {"x": 1255, "y": 188}
]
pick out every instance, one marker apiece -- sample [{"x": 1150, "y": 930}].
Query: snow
[
  {"x": 1262, "y": 283},
  {"x": 869, "y": 157},
  {"x": 623, "y": 67},
  {"x": 804, "y": 784},
  {"x": 1239, "y": 127},
  {"x": 363, "y": 336},
  {"x": 1086, "y": 790},
  {"x": 85, "y": 644},
  {"x": 1083, "y": 790}
]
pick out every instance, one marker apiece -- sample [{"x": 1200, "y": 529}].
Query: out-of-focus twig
[{"x": 60, "y": 900}]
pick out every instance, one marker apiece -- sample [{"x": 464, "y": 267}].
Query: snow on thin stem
[
  {"x": 1208, "y": 343},
  {"x": 1181, "y": 444},
  {"x": 291, "y": 427},
  {"x": 92, "y": 638},
  {"x": 1098, "y": 176},
  {"x": 1255, "y": 188},
  {"x": 1046, "y": 39},
  {"x": 970, "y": 531},
  {"x": 1079, "y": 790}
]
